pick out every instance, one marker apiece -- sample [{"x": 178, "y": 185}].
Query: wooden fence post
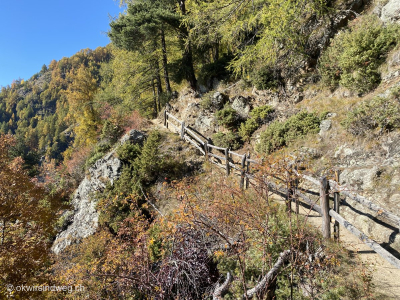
[
  {"x": 183, "y": 130},
  {"x": 289, "y": 191},
  {"x": 324, "y": 199},
  {"x": 295, "y": 186},
  {"x": 247, "y": 170},
  {"x": 166, "y": 119},
  {"x": 242, "y": 172},
  {"x": 336, "y": 207},
  {"x": 206, "y": 150},
  {"x": 227, "y": 161}
]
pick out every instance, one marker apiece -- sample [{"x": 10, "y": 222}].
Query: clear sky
[{"x": 34, "y": 32}]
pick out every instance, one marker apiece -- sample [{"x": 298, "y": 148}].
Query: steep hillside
[{"x": 127, "y": 209}]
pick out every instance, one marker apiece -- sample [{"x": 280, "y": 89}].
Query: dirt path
[{"x": 386, "y": 278}]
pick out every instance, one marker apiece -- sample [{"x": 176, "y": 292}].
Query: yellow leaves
[
  {"x": 219, "y": 254},
  {"x": 80, "y": 96}
]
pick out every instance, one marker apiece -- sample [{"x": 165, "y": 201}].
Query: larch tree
[{"x": 80, "y": 95}]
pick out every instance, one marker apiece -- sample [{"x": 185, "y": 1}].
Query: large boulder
[
  {"x": 241, "y": 105},
  {"x": 390, "y": 12},
  {"x": 83, "y": 220},
  {"x": 218, "y": 100}
]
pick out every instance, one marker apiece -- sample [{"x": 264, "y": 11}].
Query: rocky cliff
[{"x": 82, "y": 221}]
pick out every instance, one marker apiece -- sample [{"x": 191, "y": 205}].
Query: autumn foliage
[{"x": 26, "y": 217}]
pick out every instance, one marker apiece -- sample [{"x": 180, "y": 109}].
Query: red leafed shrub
[{"x": 134, "y": 121}]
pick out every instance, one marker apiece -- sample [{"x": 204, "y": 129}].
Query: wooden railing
[
  {"x": 222, "y": 157},
  {"x": 241, "y": 166}
]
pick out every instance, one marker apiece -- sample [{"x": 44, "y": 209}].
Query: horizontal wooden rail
[
  {"x": 176, "y": 127},
  {"x": 194, "y": 144},
  {"x": 215, "y": 147},
  {"x": 335, "y": 187},
  {"x": 370, "y": 243},
  {"x": 365, "y": 202},
  {"x": 193, "y": 135},
  {"x": 169, "y": 115},
  {"x": 254, "y": 161},
  {"x": 216, "y": 156},
  {"x": 237, "y": 154}
]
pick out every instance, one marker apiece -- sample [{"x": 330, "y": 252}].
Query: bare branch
[
  {"x": 269, "y": 277},
  {"x": 221, "y": 289}
]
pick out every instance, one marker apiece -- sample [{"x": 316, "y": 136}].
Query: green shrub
[
  {"x": 379, "y": 113},
  {"x": 353, "y": 58},
  {"x": 227, "y": 140},
  {"x": 128, "y": 152},
  {"x": 264, "y": 78},
  {"x": 111, "y": 131},
  {"x": 247, "y": 128},
  {"x": 227, "y": 117},
  {"x": 147, "y": 166},
  {"x": 98, "y": 152},
  {"x": 262, "y": 113},
  {"x": 206, "y": 100},
  {"x": 280, "y": 134}
]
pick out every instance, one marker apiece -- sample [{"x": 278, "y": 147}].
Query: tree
[
  {"x": 80, "y": 96},
  {"x": 257, "y": 32},
  {"x": 149, "y": 21},
  {"x": 26, "y": 223}
]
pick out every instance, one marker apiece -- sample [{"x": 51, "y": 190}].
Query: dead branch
[
  {"x": 270, "y": 276},
  {"x": 220, "y": 290}
]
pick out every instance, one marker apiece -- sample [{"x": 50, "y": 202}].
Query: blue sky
[{"x": 33, "y": 33}]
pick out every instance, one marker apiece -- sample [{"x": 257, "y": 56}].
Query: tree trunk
[
  {"x": 187, "y": 58},
  {"x": 216, "y": 52},
  {"x": 159, "y": 87},
  {"x": 165, "y": 62},
  {"x": 188, "y": 62},
  {"x": 154, "y": 98}
]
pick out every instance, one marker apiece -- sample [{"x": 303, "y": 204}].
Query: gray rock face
[
  {"x": 325, "y": 126},
  {"x": 240, "y": 104},
  {"x": 133, "y": 136},
  {"x": 391, "y": 11},
  {"x": 363, "y": 178},
  {"x": 84, "y": 218}
]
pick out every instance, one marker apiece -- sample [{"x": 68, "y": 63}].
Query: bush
[
  {"x": 353, "y": 58},
  {"x": 227, "y": 140},
  {"x": 98, "y": 152},
  {"x": 227, "y": 117},
  {"x": 247, "y": 128},
  {"x": 280, "y": 134},
  {"x": 259, "y": 115},
  {"x": 264, "y": 78},
  {"x": 218, "y": 69},
  {"x": 206, "y": 100},
  {"x": 262, "y": 113},
  {"x": 148, "y": 165},
  {"x": 111, "y": 132},
  {"x": 128, "y": 152},
  {"x": 379, "y": 113}
]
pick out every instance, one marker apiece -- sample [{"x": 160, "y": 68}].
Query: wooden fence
[{"x": 224, "y": 158}]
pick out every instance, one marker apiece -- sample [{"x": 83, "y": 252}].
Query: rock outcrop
[
  {"x": 390, "y": 12},
  {"x": 83, "y": 220}
]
